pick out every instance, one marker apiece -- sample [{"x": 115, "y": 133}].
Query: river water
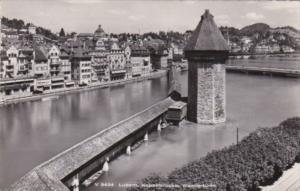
[{"x": 33, "y": 132}]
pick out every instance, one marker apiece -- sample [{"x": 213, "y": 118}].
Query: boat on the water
[
  {"x": 49, "y": 98},
  {"x": 93, "y": 178}
]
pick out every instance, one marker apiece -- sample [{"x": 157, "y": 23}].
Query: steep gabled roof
[
  {"x": 31, "y": 25},
  {"x": 3, "y": 55},
  {"x": 85, "y": 35},
  {"x": 207, "y": 36},
  {"x": 137, "y": 50},
  {"x": 64, "y": 54},
  {"x": 3, "y": 26},
  {"x": 40, "y": 55},
  {"x": 81, "y": 53}
]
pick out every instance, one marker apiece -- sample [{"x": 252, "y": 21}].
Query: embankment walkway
[
  {"x": 263, "y": 70},
  {"x": 20, "y": 98},
  {"x": 289, "y": 181}
]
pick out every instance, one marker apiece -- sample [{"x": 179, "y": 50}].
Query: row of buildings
[
  {"x": 60, "y": 67},
  {"x": 265, "y": 46},
  {"x": 33, "y": 67}
]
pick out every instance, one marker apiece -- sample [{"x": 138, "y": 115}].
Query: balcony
[
  {"x": 118, "y": 71},
  {"x": 23, "y": 69},
  {"x": 55, "y": 63},
  {"x": 54, "y": 69},
  {"x": 59, "y": 78},
  {"x": 9, "y": 65},
  {"x": 9, "y": 70}
]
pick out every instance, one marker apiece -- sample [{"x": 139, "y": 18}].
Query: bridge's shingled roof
[
  {"x": 47, "y": 176},
  {"x": 207, "y": 36},
  {"x": 37, "y": 180}
]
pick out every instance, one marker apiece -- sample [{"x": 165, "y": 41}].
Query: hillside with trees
[
  {"x": 258, "y": 32},
  {"x": 13, "y": 23},
  {"x": 263, "y": 33},
  {"x": 260, "y": 28},
  {"x": 19, "y": 24}
]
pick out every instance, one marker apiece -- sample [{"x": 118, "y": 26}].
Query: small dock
[{"x": 264, "y": 70}]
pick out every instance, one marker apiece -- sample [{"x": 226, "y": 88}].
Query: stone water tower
[{"x": 206, "y": 52}]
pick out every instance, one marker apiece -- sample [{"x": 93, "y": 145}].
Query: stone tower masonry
[{"x": 206, "y": 52}]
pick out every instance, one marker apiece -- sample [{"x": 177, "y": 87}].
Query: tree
[
  {"x": 62, "y": 33},
  {"x": 13, "y": 23},
  {"x": 162, "y": 35},
  {"x": 45, "y": 32},
  {"x": 73, "y": 34}
]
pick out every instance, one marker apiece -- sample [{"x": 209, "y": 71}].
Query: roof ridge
[{"x": 207, "y": 36}]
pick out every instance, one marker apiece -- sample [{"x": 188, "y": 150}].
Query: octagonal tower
[{"x": 206, "y": 52}]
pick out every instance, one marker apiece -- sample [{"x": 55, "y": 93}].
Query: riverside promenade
[
  {"x": 289, "y": 181},
  {"x": 263, "y": 70},
  {"x": 18, "y": 98}
]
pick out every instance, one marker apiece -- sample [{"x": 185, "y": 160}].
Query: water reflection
[
  {"x": 35, "y": 131},
  {"x": 252, "y": 102}
]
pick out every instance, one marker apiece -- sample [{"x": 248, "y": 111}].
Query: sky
[{"x": 134, "y": 16}]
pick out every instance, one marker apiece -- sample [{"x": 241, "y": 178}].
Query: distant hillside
[
  {"x": 20, "y": 24},
  {"x": 230, "y": 32},
  {"x": 291, "y": 31},
  {"x": 261, "y": 32},
  {"x": 287, "y": 28},
  {"x": 258, "y": 32},
  {"x": 255, "y": 28}
]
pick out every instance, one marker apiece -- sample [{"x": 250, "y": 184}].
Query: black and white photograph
[{"x": 149, "y": 95}]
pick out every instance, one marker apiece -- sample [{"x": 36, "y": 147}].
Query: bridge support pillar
[
  {"x": 105, "y": 167},
  {"x": 75, "y": 183},
  {"x": 128, "y": 150},
  {"x": 146, "y": 137},
  {"x": 159, "y": 126}
]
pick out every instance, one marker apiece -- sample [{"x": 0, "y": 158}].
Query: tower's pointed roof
[{"x": 207, "y": 36}]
